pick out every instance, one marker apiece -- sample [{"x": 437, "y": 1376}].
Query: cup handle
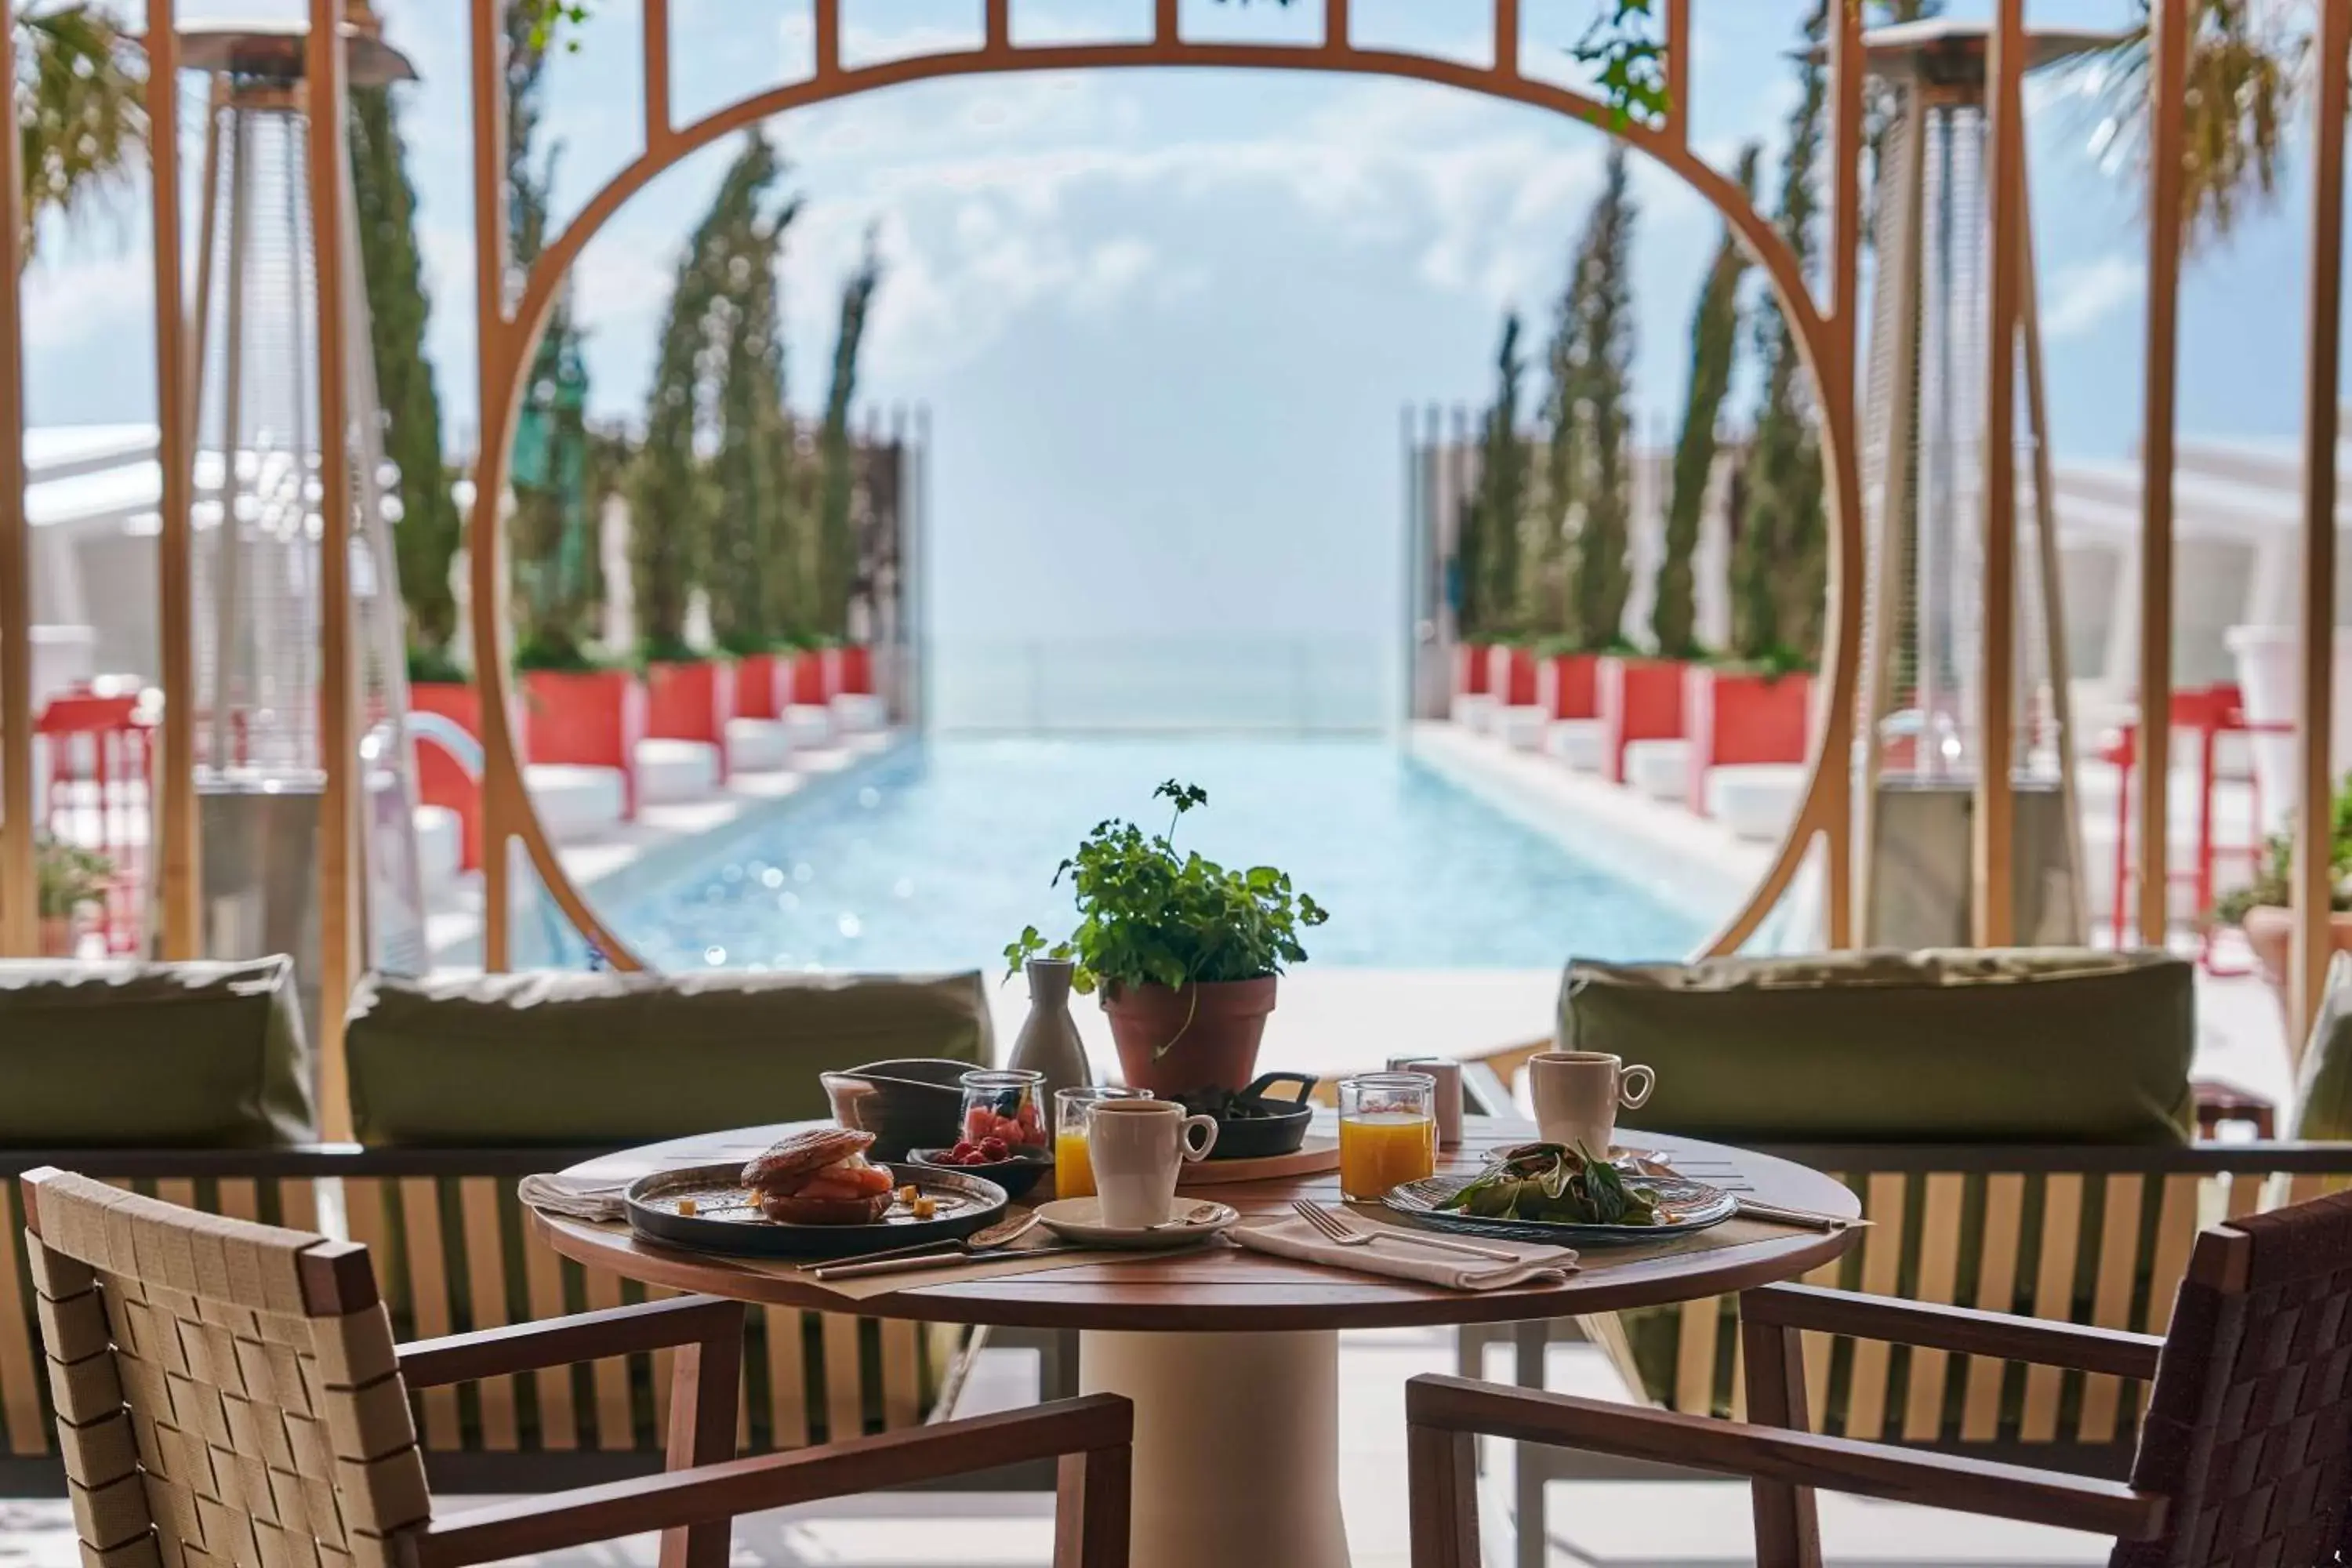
[
  {"x": 1194, "y": 1152},
  {"x": 1627, "y": 1095}
]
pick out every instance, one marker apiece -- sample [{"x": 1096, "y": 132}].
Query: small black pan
[{"x": 1279, "y": 1130}]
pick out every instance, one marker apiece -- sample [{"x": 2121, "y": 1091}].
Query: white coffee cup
[
  {"x": 1138, "y": 1146},
  {"x": 1577, "y": 1095}
]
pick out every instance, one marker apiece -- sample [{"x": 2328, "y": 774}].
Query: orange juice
[
  {"x": 1074, "y": 1168},
  {"x": 1385, "y": 1149}
]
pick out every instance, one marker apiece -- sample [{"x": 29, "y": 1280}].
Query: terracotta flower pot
[
  {"x": 1173, "y": 1041},
  {"x": 809, "y": 689},
  {"x": 2269, "y": 932},
  {"x": 762, "y": 684},
  {"x": 1568, "y": 685},
  {"x": 1470, "y": 669},
  {"x": 690, "y": 700},
  {"x": 854, "y": 670},
  {"x": 1511, "y": 675},
  {"x": 1735, "y": 717},
  {"x": 57, "y": 936},
  {"x": 441, "y": 779},
  {"x": 593, "y": 718},
  {"x": 1639, "y": 700}
]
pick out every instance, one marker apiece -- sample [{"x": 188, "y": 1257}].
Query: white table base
[{"x": 1237, "y": 1446}]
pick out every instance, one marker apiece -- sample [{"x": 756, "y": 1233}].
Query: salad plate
[{"x": 1549, "y": 1193}]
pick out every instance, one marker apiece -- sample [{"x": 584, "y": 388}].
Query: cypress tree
[
  {"x": 751, "y": 564},
  {"x": 1558, "y": 507},
  {"x": 1780, "y": 562},
  {"x": 1715, "y": 346},
  {"x": 1488, "y": 555},
  {"x": 672, "y": 496},
  {"x": 838, "y": 456},
  {"x": 551, "y": 532},
  {"x": 1601, "y": 370},
  {"x": 425, "y": 535}
]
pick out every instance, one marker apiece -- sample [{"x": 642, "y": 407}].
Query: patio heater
[
  {"x": 253, "y": 358},
  {"x": 1922, "y": 461}
]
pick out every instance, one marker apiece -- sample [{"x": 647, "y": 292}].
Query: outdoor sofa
[
  {"x": 2021, "y": 1128},
  {"x": 189, "y": 1082}
]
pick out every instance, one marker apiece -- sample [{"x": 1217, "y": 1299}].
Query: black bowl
[
  {"x": 1016, "y": 1176},
  {"x": 908, "y": 1103}
]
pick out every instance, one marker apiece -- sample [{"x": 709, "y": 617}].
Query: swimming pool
[{"x": 935, "y": 855}]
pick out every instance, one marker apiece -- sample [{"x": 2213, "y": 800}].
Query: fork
[{"x": 1343, "y": 1229}]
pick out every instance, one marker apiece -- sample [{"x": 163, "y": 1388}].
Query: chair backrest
[
  {"x": 2249, "y": 1425},
  {"x": 227, "y": 1391}
]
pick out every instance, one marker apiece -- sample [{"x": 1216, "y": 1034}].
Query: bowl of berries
[{"x": 1016, "y": 1170}]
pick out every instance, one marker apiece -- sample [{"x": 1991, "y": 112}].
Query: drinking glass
[
  {"x": 1073, "y": 1167},
  {"x": 1388, "y": 1132},
  {"x": 1003, "y": 1103}
]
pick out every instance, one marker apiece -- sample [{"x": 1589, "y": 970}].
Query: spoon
[
  {"x": 1198, "y": 1214},
  {"x": 1003, "y": 1233}
]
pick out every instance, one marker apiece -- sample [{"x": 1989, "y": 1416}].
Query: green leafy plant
[
  {"x": 67, "y": 876},
  {"x": 435, "y": 666},
  {"x": 2274, "y": 883},
  {"x": 1149, "y": 916}
]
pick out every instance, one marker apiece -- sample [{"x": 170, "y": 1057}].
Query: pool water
[{"x": 938, "y": 854}]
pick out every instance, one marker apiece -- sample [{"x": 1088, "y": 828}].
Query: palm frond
[{"x": 79, "y": 114}]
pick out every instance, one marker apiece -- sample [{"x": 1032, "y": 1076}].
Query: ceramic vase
[{"x": 1048, "y": 1042}]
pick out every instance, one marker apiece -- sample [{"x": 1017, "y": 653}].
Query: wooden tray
[{"x": 1319, "y": 1154}]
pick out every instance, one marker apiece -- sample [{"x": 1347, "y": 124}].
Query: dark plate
[
  {"x": 728, "y": 1221},
  {"x": 1016, "y": 1176},
  {"x": 1684, "y": 1207}
]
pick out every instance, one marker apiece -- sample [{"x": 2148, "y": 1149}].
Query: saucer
[{"x": 1079, "y": 1220}]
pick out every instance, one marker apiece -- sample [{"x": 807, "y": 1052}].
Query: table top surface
[{"x": 1228, "y": 1288}]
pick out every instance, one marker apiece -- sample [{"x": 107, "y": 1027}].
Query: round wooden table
[{"x": 1232, "y": 1357}]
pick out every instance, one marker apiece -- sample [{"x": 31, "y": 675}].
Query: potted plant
[
  {"x": 2262, "y": 909},
  {"x": 1743, "y": 712},
  {"x": 1567, "y": 680},
  {"x": 1185, "y": 952},
  {"x": 68, "y": 879},
  {"x": 1639, "y": 697},
  {"x": 1511, "y": 673},
  {"x": 581, "y": 711},
  {"x": 689, "y": 696},
  {"x": 439, "y": 685}
]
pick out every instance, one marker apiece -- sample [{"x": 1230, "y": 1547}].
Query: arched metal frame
[{"x": 1825, "y": 333}]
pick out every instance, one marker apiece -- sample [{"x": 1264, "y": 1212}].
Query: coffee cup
[
  {"x": 1138, "y": 1146},
  {"x": 1578, "y": 1094}
]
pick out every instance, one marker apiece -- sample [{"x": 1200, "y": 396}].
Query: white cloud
[{"x": 2083, "y": 296}]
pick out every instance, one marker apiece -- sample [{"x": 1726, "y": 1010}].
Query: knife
[{"x": 866, "y": 1267}]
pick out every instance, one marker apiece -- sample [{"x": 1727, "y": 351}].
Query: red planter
[
  {"x": 1639, "y": 699},
  {"x": 1737, "y": 717},
  {"x": 1568, "y": 685},
  {"x": 809, "y": 689},
  {"x": 853, "y": 670},
  {"x": 1511, "y": 676},
  {"x": 441, "y": 779},
  {"x": 762, "y": 684},
  {"x": 589, "y": 717},
  {"x": 692, "y": 701},
  {"x": 1470, "y": 669}
]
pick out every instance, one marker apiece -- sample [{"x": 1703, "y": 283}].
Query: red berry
[
  {"x": 977, "y": 1123},
  {"x": 994, "y": 1148},
  {"x": 963, "y": 1150}
]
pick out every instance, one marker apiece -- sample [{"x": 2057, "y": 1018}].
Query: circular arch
[{"x": 509, "y": 341}]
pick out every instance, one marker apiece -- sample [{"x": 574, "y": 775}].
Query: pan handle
[{"x": 1266, "y": 1080}]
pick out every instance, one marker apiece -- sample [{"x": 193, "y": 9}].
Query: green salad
[{"x": 1556, "y": 1183}]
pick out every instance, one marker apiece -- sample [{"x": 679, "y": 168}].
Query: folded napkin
[
  {"x": 574, "y": 1199},
  {"x": 1449, "y": 1271}
]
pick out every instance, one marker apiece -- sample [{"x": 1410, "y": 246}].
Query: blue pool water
[{"x": 938, "y": 853}]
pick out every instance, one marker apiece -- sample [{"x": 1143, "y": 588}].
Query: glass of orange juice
[
  {"x": 1388, "y": 1132},
  {"x": 1074, "y": 1167}
]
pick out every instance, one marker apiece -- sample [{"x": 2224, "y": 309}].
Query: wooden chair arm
[
  {"x": 561, "y": 1341},
  {"x": 1092, "y": 1437},
  {"x": 1452, "y": 1405},
  {"x": 1960, "y": 1328}
]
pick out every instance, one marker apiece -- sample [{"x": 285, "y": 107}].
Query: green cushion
[
  {"x": 2323, "y": 1096},
  {"x": 2050, "y": 1045},
  {"x": 180, "y": 1056},
  {"x": 492, "y": 1061}
]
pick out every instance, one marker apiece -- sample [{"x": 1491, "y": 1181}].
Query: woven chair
[
  {"x": 2244, "y": 1456},
  {"x": 228, "y": 1396}
]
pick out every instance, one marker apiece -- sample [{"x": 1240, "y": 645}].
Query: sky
[{"x": 1165, "y": 322}]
